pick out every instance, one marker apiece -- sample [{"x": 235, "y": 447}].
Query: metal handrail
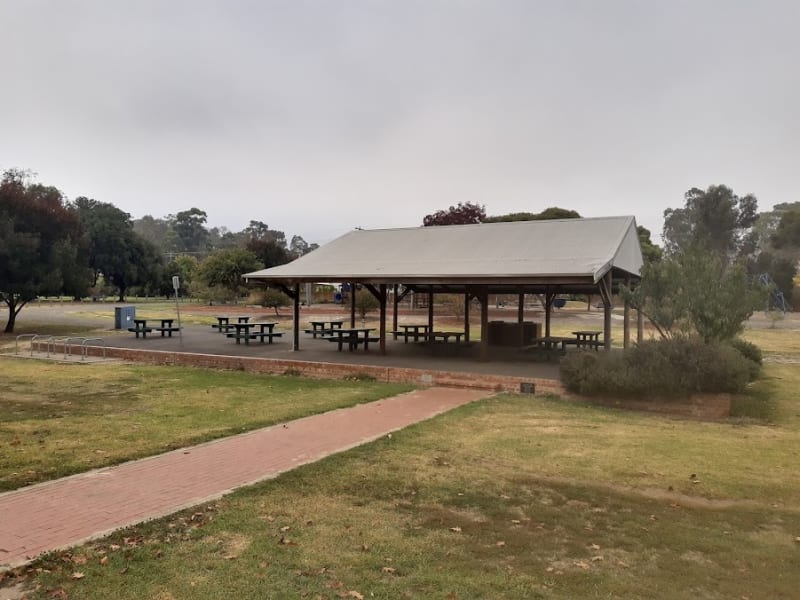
[
  {"x": 84, "y": 349},
  {"x": 51, "y": 343},
  {"x": 34, "y": 339},
  {"x": 19, "y": 337},
  {"x": 68, "y": 344}
]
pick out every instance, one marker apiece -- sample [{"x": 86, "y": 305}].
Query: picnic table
[
  {"x": 352, "y": 337},
  {"x": 587, "y": 339},
  {"x": 323, "y": 328},
  {"x": 444, "y": 336},
  {"x": 247, "y": 331},
  {"x": 411, "y": 330},
  {"x": 224, "y": 324},
  {"x": 140, "y": 328},
  {"x": 549, "y": 346}
]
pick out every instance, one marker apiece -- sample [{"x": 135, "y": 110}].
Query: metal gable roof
[{"x": 585, "y": 248}]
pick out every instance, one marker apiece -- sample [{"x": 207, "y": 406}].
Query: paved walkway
[{"x": 72, "y": 510}]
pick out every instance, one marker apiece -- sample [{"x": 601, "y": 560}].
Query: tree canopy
[
  {"x": 547, "y": 214},
  {"x": 696, "y": 292},
  {"x": 715, "y": 219},
  {"x": 464, "y": 213},
  {"x": 116, "y": 251},
  {"x": 43, "y": 249},
  {"x": 224, "y": 269}
]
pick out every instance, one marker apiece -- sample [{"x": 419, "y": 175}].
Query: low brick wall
[{"x": 324, "y": 370}]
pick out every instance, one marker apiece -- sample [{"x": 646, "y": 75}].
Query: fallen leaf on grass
[
  {"x": 455, "y": 529},
  {"x": 78, "y": 575},
  {"x": 597, "y": 558},
  {"x": 355, "y": 594},
  {"x": 594, "y": 547},
  {"x": 500, "y": 544},
  {"x": 516, "y": 521},
  {"x": 388, "y": 569},
  {"x": 104, "y": 561},
  {"x": 80, "y": 559}
]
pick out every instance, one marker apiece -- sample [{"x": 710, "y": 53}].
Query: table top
[
  {"x": 353, "y": 330},
  {"x": 412, "y": 326},
  {"x": 586, "y": 332},
  {"x": 323, "y": 322}
]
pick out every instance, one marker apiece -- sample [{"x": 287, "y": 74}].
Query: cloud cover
[{"x": 316, "y": 117}]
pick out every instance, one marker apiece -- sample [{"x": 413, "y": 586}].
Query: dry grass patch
[
  {"x": 493, "y": 500},
  {"x": 61, "y": 419}
]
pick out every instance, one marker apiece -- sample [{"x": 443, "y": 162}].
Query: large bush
[{"x": 668, "y": 368}]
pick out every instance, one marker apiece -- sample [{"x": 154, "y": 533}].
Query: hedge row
[{"x": 663, "y": 369}]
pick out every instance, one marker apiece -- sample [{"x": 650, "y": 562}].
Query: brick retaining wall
[{"x": 324, "y": 370}]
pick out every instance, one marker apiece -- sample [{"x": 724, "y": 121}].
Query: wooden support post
[
  {"x": 548, "y": 308},
  {"x": 484, "y": 299},
  {"x": 352, "y": 305},
  {"x": 606, "y": 292},
  {"x": 430, "y": 311},
  {"x": 626, "y": 320},
  {"x": 639, "y": 326},
  {"x": 293, "y": 293},
  {"x": 295, "y": 319},
  {"x": 382, "y": 330},
  {"x": 467, "y": 302},
  {"x": 395, "y": 302},
  {"x": 521, "y": 318}
]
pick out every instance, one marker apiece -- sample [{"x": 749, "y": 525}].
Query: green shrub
[
  {"x": 749, "y": 350},
  {"x": 669, "y": 368}
]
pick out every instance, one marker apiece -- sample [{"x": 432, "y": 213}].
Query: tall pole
[{"x": 176, "y": 283}]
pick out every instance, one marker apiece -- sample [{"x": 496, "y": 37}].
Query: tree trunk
[
  {"x": 13, "y": 309},
  {"x": 12, "y": 317}
]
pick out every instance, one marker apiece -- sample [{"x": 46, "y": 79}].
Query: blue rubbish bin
[{"x": 124, "y": 316}]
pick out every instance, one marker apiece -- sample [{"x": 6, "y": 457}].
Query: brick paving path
[{"x": 72, "y": 510}]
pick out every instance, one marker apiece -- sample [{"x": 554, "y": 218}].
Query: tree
[
  {"x": 273, "y": 298},
  {"x": 553, "y": 212},
  {"x": 695, "y": 292},
  {"x": 270, "y": 252},
  {"x": 158, "y": 232},
  {"x": 224, "y": 269},
  {"x": 465, "y": 213},
  {"x": 365, "y": 302},
  {"x": 42, "y": 246},
  {"x": 116, "y": 251},
  {"x": 715, "y": 219},
  {"x": 258, "y": 230},
  {"x": 185, "y": 267},
  {"x": 787, "y": 232},
  {"x": 650, "y": 252},
  {"x": 189, "y": 227}
]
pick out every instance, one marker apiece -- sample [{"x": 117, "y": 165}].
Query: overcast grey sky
[{"x": 319, "y": 116}]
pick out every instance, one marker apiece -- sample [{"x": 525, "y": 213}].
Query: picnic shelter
[{"x": 547, "y": 258}]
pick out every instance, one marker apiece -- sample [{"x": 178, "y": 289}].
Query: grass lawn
[
  {"x": 62, "y": 419},
  {"x": 511, "y": 497}
]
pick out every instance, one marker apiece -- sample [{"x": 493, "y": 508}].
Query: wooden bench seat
[
  {"x": 167, "y": 330},
  {"x": 140, "y": 330},
  {"x": 352, "y": 342},
  {"x": 254, "y": 335}
]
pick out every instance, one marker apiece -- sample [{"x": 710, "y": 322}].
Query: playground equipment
[{"x": 775, "y": 299}]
